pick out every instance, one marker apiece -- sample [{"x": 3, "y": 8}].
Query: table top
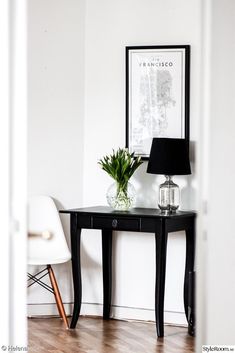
[{"x": 138, "y": 212}]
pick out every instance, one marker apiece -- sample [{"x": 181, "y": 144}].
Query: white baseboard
[
  {"x": 47, "y": 309},
  {"x": 117, "y": 312}
]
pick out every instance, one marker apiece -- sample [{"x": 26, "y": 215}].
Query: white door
[
  {"x": 216, "y": 227},
  {"x": 13, "y": 123}
]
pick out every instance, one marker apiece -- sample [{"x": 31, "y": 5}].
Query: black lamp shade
[{"x": 169, "y": 157}]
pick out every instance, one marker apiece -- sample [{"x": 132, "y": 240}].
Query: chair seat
[{"x": 47, "y": 261}]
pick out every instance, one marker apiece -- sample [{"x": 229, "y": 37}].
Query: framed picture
[{"x": 157, "y": 95}]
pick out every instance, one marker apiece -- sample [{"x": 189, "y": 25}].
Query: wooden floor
[{"x": 93, "y": 335}]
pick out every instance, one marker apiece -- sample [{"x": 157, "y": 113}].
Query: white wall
[
  {"x": 109, "y": 27},
  {"x": 63, "y": 158},
  {"x": 56, "y": 96}
]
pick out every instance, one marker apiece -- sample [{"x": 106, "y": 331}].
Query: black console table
[{"x": 136, "y": 220}]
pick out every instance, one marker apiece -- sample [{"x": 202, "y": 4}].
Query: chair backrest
[{"x": 43, "y": 216}]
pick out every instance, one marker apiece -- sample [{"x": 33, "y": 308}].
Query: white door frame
[
  {"x": 13, "y": 185},
  {"x": 203, "y": 172},
  {"x": 5, "y": 173}
]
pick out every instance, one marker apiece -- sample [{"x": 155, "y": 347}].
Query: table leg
[
  {"x": 75, "y": 234},
  {"x": 189, "y": 263},
  {"x": 107, "y": 271},
  {"x": 161, "y": 250}
]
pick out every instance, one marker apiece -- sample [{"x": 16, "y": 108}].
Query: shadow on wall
[
  {"x": 91, "y": 268},
  {"x": 188, "y": 191},
  {"x": 146, "y": 186},
  {"x": 188, "y": 195}
]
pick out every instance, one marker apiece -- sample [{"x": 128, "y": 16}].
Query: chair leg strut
[{"x": 58, "y": 299}]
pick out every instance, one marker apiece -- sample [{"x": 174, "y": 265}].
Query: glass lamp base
[
  {"x": 169, "y": 196},
  {"x": 168, "y": 211}
]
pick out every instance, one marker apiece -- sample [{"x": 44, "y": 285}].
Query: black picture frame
[{"x": 154, "y": 69}]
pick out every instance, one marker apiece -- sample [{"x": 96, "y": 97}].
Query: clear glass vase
[{"x": 121, "y": 198}]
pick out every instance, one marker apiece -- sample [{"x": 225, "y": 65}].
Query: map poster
[{"x": 157, "y": 95}]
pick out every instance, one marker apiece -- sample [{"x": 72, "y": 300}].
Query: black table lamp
[{"x": 169, "y": 157}]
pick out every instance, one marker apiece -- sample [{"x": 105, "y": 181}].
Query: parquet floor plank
[{"x": 94, "y": 335}]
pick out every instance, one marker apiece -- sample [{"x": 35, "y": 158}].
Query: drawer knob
[{"x": 114, "y": 223}]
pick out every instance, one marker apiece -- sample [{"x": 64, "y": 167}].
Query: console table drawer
[{"x": 116, "y": 223}]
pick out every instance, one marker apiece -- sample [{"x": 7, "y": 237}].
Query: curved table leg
[
  {"x": 161, "y": 249},
  {"x": 107, "y": 271},
  {"x": 189, "y": 267},
  {"x": 75, "y": 234}
]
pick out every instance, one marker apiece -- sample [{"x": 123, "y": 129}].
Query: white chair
[{"x": 46, "y": 245}]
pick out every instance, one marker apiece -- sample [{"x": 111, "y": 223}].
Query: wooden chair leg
[{"x": 58, "y": 299}]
